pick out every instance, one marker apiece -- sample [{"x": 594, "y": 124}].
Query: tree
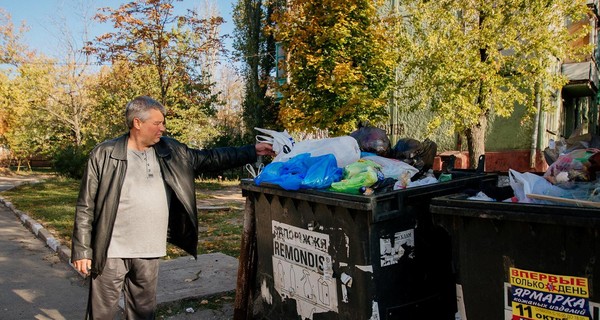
[
  {"x": 149, "y": 33},
  {"x": 30, "y": 131},
  {"x": 11, "y": 54},
  {"x": 255, "y": 47},
  {"x": 229, "y": 116},
  {"x": 466, "y": 60},
  {"x": 340, "y": 63},
  {"x": 25, "y": 81},
  {"x": 115, "y": 86}
]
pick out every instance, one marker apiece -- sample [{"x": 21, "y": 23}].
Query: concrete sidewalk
[
  {"x": 34, "y": 282},
  {"x": 37, "y": 282}
]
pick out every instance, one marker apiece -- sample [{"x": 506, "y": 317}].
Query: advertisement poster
[
  {"x": 537, "y": 295},
  {"x": 302, "y": 269},
  {"x": 395, "y": 247}
]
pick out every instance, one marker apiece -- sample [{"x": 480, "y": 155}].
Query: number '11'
[{"x": 522, "y": 310}]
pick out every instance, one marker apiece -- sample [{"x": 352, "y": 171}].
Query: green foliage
[
  {"x": 115, "y": 87},
  {"x": 340, "y": 64}
]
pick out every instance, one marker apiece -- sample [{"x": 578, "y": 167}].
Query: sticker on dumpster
[
  {"x": 536, "y": 295},
  {"x": 302, "y": 269},
  {"x": 395, "y": 246}
]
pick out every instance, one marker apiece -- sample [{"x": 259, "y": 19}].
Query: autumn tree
[
  {"x": 255, "y": 49},
  {"x": 466, "y": 60},
  {"x": 11, "y": 54},
  {"x": 340, "y": 63},
  {"x": 149, "y": 33},
  {"x": 115, "y": 85},
  {"x": 25, "y": 80}
]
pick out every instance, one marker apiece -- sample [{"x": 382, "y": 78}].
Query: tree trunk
[{"x": 476, "y": 140}]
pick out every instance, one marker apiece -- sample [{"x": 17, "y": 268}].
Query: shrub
[{"x": 70, "y": 162}]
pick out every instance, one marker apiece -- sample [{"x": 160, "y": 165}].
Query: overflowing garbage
[
  {"x": 571, "y": 177},
  {"x": 363, "y": 162}
]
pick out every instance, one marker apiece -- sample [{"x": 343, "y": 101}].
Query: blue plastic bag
[
  {"x": 302, "y": 171},
  {"x": 284, "y": 174},
  {"x": 322, "y": 172}
]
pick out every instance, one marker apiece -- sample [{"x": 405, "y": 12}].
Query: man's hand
[
  {"x": 83, "y": 266},
  {"x": 264, "y": 149}
]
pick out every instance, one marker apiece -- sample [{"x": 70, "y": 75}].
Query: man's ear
[{"x": 137, "y": 123}]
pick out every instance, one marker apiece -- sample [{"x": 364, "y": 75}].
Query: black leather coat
[{"x": 101, "y": 188}]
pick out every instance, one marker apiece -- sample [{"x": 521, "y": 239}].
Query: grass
[{"x": 52, "y": 204}]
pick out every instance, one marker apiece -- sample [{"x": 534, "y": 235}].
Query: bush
[{"x": 70, "y": 162}]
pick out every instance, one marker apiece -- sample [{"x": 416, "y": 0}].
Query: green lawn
[{"x": 52, "y": 204}]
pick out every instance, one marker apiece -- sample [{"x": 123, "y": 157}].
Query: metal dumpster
[
  {"x": 522, "y": 261},
  {"x": 325, "y": 255}
]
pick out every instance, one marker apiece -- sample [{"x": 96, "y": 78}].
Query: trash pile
[
  {"x": 363, "y": 162},
  {"x": 571, "y": 178}
]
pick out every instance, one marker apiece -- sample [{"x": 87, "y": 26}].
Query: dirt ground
[{"x": 227, "y": 196}]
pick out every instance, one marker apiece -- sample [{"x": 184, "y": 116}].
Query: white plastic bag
[
  {"x": 344, "y": 148},
  {"x": 282, "y": 141},
  {"x": 393, "y": 168},
  {"x": 529, "y": 183}
]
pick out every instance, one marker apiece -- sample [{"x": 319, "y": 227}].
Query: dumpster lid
[
  {"x": 460, "y": 205},
  {"x": 404, "y": 197},
  {"x": 344, "y": 200}
]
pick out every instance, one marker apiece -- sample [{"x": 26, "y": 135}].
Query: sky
[{"x": 44, "y": 18}]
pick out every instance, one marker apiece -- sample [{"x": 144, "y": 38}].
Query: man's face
[{"x": 152, "y": 128}]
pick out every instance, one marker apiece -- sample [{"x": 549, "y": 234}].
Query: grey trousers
[{"x": 136, "y": 278}]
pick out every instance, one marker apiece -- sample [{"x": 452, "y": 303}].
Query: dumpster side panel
[
  {"x": 486, "y": 246},
  {"x": 303, "y": 248}
]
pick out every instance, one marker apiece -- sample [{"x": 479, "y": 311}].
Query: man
[{"x": 137, "y": 193}]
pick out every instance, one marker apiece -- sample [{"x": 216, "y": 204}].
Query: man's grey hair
[{"x": 139, "y": 108}]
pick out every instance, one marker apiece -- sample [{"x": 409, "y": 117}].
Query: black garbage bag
[
  {"x": 418, "y": 154},
  {"x": 372, "y": 139}
]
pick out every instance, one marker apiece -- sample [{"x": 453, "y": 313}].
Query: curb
[{"x": 64, "y": 253}]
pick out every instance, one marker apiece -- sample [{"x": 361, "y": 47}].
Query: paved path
[{"x": 34, "y": 282}]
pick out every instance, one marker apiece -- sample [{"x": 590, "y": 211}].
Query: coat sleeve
[
  {"x": 84, "y": 213},
  {"x": 219, "y": 159}
]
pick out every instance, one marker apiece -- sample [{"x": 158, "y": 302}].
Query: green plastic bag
[{"x": 363, "y": 173}]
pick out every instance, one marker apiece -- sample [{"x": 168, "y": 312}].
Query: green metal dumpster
[
  {"x": 327, "y": 255},
  {"x": 522, "y": 261}
]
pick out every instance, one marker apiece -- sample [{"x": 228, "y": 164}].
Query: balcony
[{"x": 583, "y": 78}]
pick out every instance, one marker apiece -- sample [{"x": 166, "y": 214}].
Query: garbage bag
[
  {"x": 282, "y": 142},
  {"x": 322, "y": 172},
  {"x": 302, "y": 172},
  {"x": 362, "y": 173},
  {"x": 288, "y": 175},
  {"x": 372, "y": 139},
  {"x": 393, "y": 168},
  {"x": 529, "y": 183},
  {"x": 420, "y": 155},
  {"x": 577, "y": 165},
  {"x": 344, "y": 148}
]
